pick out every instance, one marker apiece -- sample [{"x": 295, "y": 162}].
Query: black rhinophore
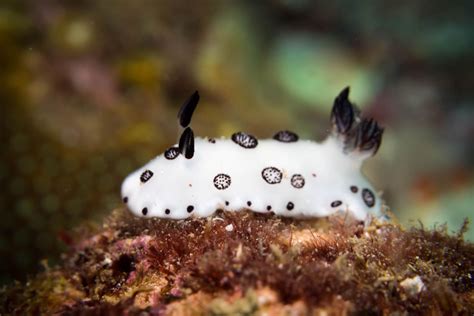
[
  {"x": 187, "y": 109},
  {"x": 186, "y": 143}
]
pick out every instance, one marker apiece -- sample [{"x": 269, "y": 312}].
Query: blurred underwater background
[{"x": 89, "y": 91}]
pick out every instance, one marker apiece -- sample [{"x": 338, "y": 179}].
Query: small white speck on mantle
[{"x": 229, "y": 227}]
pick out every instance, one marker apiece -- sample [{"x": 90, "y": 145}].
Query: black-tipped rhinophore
[
  {"x": 342, "y": 116},
  {"x": 187, "y": 109},
  {"x": 368, "y": 136},
  {"x": 186, "y": 143}
]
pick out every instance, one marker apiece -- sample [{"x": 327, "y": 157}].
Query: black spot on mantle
[
  {"x": 222, "y": 181},
  {"x": 172, "y": 153},
  {"x": 244, "y": 140},
  {"x": 272, "y": 175},
  {"x": 368, "y": 197},
  {"x": 146, "y": 175},
  {"x": 297, "y": 181},
  {"x": 286, "y": 137}
]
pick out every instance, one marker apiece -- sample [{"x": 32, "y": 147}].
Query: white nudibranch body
[{"x": 283, "y": 175}]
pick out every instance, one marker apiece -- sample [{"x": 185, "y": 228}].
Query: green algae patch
[{"x": 248, "y": 263}]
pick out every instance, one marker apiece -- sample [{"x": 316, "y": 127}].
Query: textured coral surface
[{"x": 247, "y": 263}]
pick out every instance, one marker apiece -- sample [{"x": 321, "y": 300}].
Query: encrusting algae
[{"x": 245, "y": 263}]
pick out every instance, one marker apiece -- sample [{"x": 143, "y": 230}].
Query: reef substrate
[{"x": 246, "y": 263}]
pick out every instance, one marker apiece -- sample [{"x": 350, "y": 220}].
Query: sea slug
[{"x": 284, "y": 175}]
